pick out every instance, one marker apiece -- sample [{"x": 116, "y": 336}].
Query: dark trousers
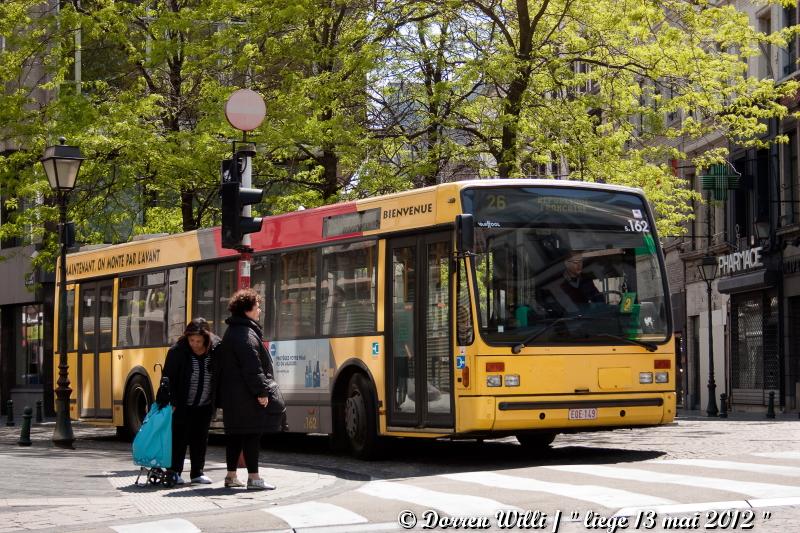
[
  {"x": 236, "y": 444},
  {"x": 190, "y": 428}
]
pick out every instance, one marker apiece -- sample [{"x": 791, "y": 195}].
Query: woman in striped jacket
[{"x": 188, "y": 367}]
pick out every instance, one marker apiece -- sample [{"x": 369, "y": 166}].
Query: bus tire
[
  {"x": 540, "y": 441},
  {"x": 360, "y": 418},
  {"x": 138, "y": 397}
]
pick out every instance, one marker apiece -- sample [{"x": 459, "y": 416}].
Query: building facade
[{"x": 750, "y": 225}]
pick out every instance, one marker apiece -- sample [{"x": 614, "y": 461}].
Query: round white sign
[{"x": 245, "y": 110}]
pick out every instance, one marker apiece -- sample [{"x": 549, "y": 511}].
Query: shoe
[
  {"x": 233, "y": 483},
  {"x": 179, "y": 480},
  {"x": 259, "y": 484},
  {"x": 202, "y": 479}
]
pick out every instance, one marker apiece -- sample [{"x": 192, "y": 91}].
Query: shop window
[{"x": 30, "y": 347}]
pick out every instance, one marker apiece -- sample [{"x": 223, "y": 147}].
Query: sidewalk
[
  {"x": 44, "y": 487},
  {"x": 686, "y": 414}
]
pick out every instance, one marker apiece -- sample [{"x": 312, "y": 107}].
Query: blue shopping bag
[{"x": 152, "y": 446}]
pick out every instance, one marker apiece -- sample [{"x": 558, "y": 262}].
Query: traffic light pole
[{"x": 246, "y": 249}]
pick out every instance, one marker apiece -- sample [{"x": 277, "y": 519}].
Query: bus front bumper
[{"x": 510, "y": 413}]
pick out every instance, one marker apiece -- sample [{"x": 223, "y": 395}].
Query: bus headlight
[
  {"x": 662, "y": 377},
  {"x": 645, "y": 377},
  {"x": 511, "y": 380},
  {"x": 494, "y": 380}
]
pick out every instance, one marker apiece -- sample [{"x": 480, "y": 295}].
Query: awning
[{"x": 752, "y": 281}]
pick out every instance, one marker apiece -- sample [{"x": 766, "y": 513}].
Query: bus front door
[
  {"x": 419, "y": 369},
  {"x": 93, "y": 389}
]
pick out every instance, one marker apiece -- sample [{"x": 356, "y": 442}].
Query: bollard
[
  {"x": 723, "y": 405},
  {"x": 10, "y": 411},
  {"x": 39, "y": 417},
  {"x": 25, "y": 432},
  {"x": 771, "y": 405}
]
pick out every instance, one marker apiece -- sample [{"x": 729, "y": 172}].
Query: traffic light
[{"x": 234, "y": 225}]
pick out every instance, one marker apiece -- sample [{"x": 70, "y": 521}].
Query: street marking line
[
  {"x": 754, "y": 489},
  {"x": 708, "y": 506},
  {"x": 314, "y": 514},
  {"x": 779, "y": 455},
  {"x": 774, "y": 502},
  {"x": 382, "y": 526},
  {"x": 173, "y": 525},
  {"x": 605, "y": 496},
  {"x": 449, "y": 503},
  {"x": 684, "y": 508},
  {"x": 790, "y": 471}
]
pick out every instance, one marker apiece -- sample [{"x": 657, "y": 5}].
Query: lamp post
[
  {"x": 708, "y": 271},
  {"x": 61, "y": 164}
]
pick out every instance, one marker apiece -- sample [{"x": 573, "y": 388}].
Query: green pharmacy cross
[{"x": 719, "y": 179}]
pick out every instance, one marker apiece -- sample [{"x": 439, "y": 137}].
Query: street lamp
[
  {"x": 708, "y": 271},
  {"x": 762, "y": 229},
  {"x": 61, "y": 164}
]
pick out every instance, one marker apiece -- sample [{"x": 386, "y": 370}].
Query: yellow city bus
[{"x": 480, "y": 308}]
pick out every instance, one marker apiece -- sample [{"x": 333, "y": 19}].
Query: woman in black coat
[
  {"x": 188, "y": 367},
  {"x": 249, "y": 396}
]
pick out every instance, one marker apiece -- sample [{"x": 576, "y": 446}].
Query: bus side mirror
[{"x": 465, "y": 234}]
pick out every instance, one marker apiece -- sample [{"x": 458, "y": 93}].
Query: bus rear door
[{"x": 93, "y": 389}]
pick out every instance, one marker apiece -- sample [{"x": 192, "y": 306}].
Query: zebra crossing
[{"x": 672, "y": 487}]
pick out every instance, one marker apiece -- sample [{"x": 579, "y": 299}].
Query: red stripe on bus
[{"x": 299, "y": 228}]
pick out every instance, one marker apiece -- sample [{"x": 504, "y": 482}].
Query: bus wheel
[
  {"x": 137, "y": 401},
  {"x": 359, "y": 418},
  {"x": 536, "y": 441}
]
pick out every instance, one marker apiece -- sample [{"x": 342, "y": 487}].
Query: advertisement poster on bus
[{"x": 301, "y": 364}]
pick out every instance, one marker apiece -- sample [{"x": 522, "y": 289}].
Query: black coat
[
  {"x": 244, "y": 374},
  {"x": 178, "y": 368}
]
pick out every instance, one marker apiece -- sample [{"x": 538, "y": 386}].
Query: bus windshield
[{"x": 566, "y": 266}]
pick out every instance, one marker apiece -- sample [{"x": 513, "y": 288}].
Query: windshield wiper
[
  {"x": 651, "y": 347},
  {"x": 518, "y": 347}
]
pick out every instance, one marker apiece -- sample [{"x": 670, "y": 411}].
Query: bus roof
[{"x": 406, "y": 210}]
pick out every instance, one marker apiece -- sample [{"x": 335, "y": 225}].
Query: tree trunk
[{"x": 187, "y": 214}]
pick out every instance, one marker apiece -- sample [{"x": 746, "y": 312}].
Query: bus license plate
[{"x": 583, "y": 414}]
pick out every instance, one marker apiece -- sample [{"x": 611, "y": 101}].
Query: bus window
[
  {"x": 203, "y": 300},
  {"x": 348, "y": 284},
  {"x": 177, "y": 304},
  {"x": 87, "y": 329},
  {"x": 142, "y": 310},
  {"x": 259, "y": 281},
  {"x": 70, "y": 319},
  {"x": 297, "y": 295},
  {"x": 226, "y": 286},
  {"x": 106, "y": 318}
]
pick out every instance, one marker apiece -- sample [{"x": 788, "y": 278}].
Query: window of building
[
  {"x": 764, "y": 66},
  {"x": 789, "y": 54},
  {"x": 790, "y": 186},
  {"x": 297, "y": 295},
  {"x": 142, "y": 310},
  {"x": 347, "y": 296}
]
